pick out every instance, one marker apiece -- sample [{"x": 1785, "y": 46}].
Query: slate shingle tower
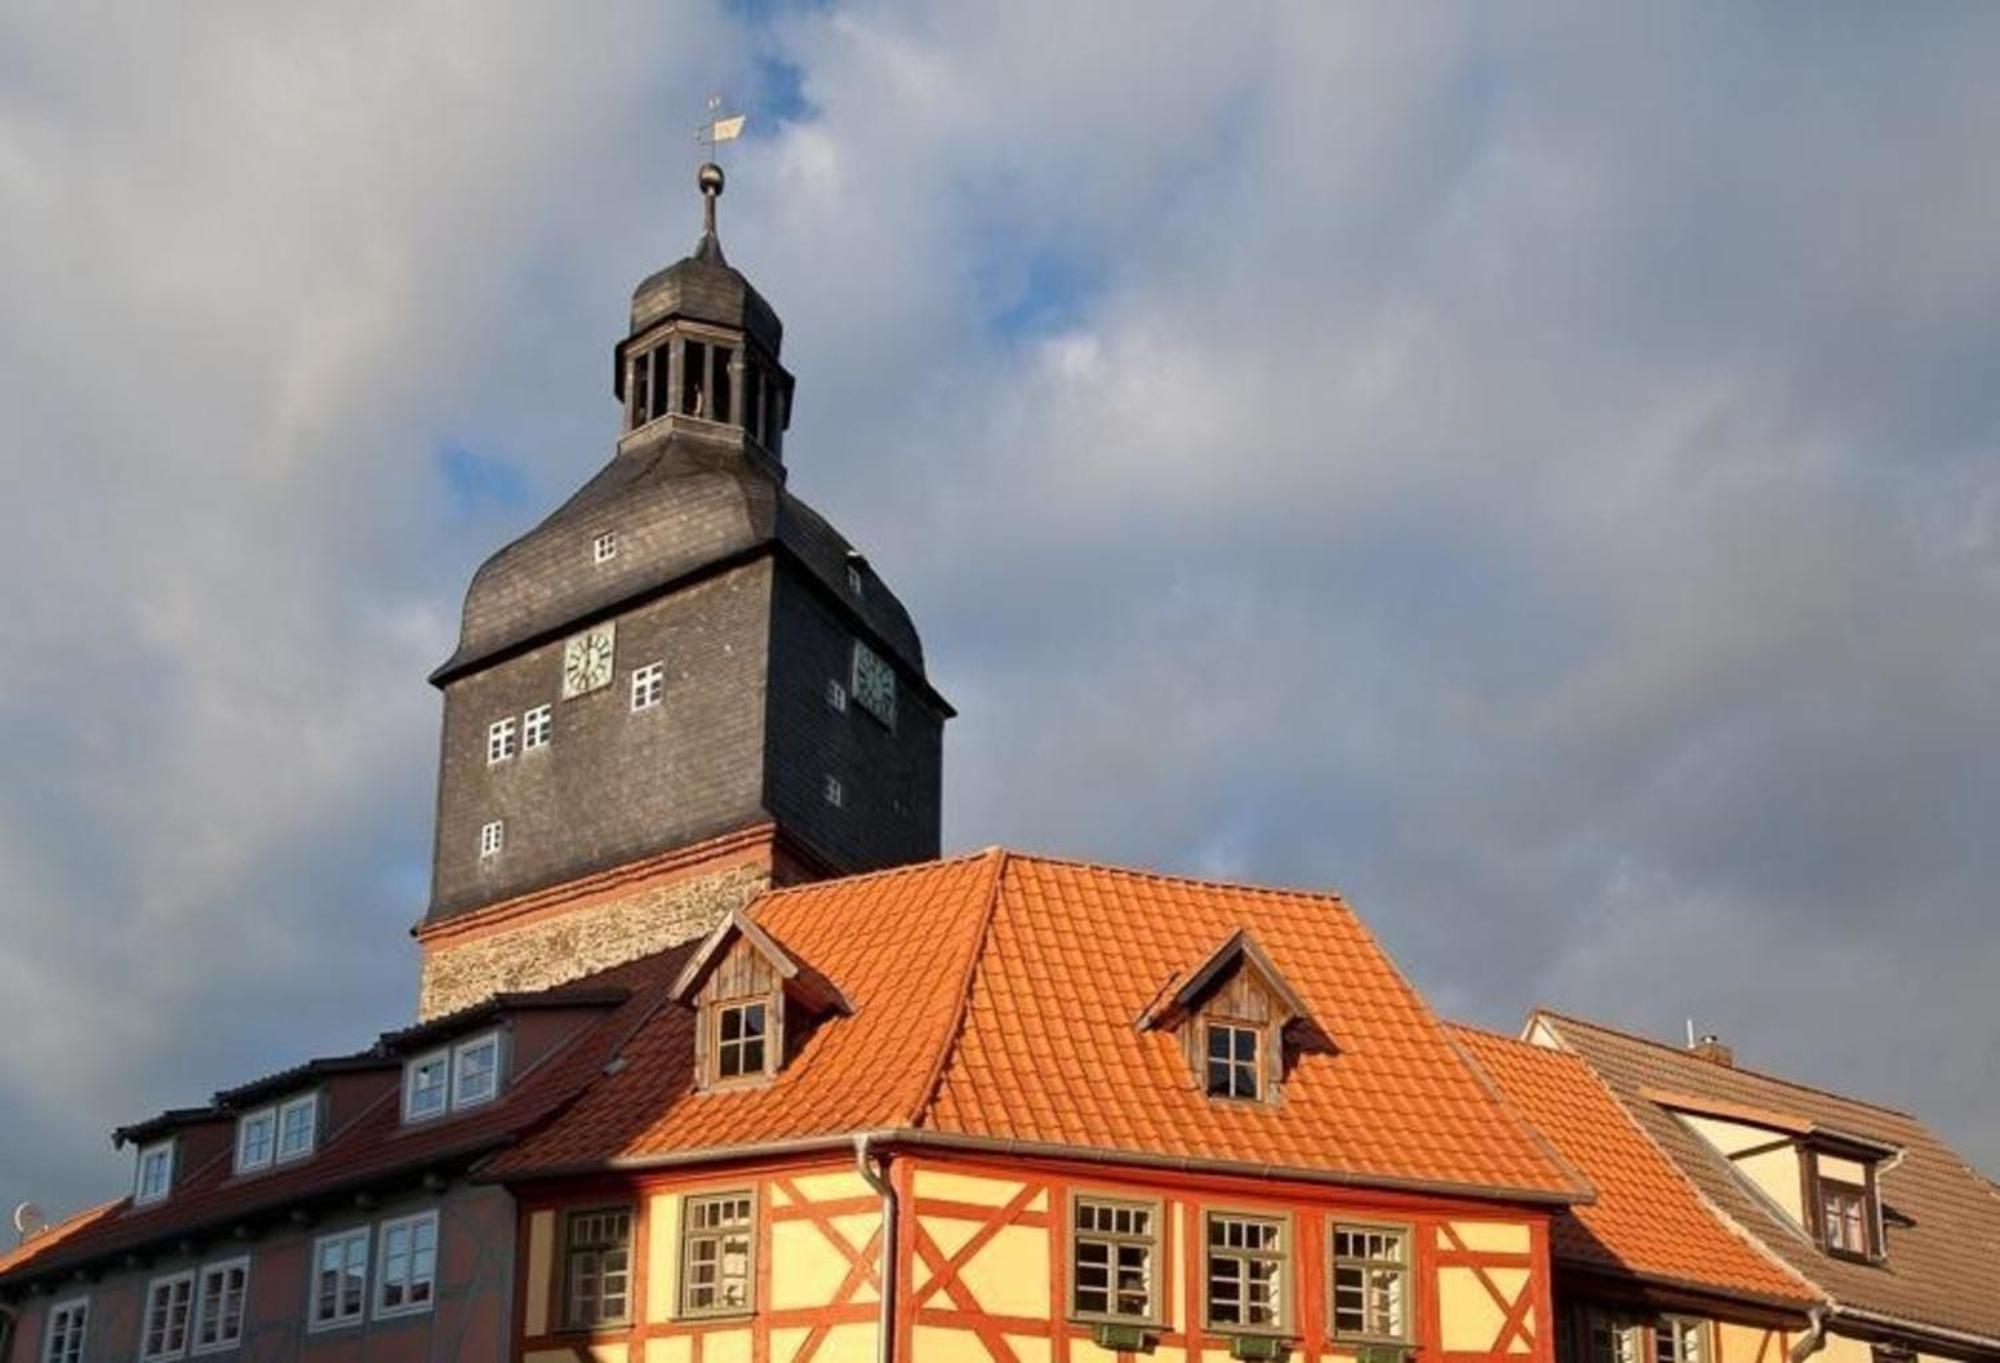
[{"x": 682, "y": 686}]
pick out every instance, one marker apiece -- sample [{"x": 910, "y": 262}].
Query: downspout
[
  {"x": 1814, "y": 1338},
  {"x": 885, "y": 1316}
]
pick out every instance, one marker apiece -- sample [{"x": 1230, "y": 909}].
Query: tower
[{"x": 682, "y": 686}]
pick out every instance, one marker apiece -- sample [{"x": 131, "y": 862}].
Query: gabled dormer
[
  {"x": 1234, "y": 1014},
  {"x": 754, "y": 1004},
  {"x": 165, "y": 1148}
]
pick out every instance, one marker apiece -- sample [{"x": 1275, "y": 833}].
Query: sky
[{"x": 1530, "y": 468}]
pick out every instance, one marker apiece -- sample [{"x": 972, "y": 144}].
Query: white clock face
[
  {"x": 586, "y": 662},
  {"x": 874, "y": 684}
]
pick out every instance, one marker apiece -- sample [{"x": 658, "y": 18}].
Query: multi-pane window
[
  {"x": 1844, "y": 1217},
  {"x": 492, "y": 837},
  {"x": 835, "y": 792},
  {"x": 340, "y": 1279},
  {"x": 64, "y": 1341},
  {"x": 1113, "y": 1246},
  {"x": 715, "y": 1254},
  {"x": 406, "y": 1276},
  {"x": 836, "y": 696},
  {"x": 1246, "y": 1272},
  {"x": 500, "y": 736},
  {"x": 426, "y": 1086},
  {"x": 1371, "y": 1282},
  {"x": 649, "y": 683},
  {"x": 598, "y": 1268},
  {"x": 1609, "y": 1339},
  {"x": 475, "y": 1070},
  {"x": 256, "y": 1139},
  {"x": 218, "y": 1312},
  {"x": 156, "y": 1173},
  {"x": 1679, "y": 1339},
  {"x": 537, "y": 727},
  {"x": 1232, "y": 1053},
  {"x": 741, "y": 1032},
  {"x": 605, "y": 547},
  {"x": 164, "y": 1331},
  {"x": 298, "y": 1127}
]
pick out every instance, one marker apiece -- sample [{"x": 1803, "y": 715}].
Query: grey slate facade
[{"x": 750, "y": 599}]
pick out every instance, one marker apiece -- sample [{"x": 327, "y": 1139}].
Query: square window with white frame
[
  {"x": 1113, "y": 1248},
  {"x": 649, "y": 684},
  {"x": 256, "y": 1139},
  {"x": 218, "y": 1307},
  {"x": 156, "y": 1173},
  {"x": 500, "y": 736},
  {"x": 605, "y": 547},
  {"x": 1234, "y": 1055},
  {"x": 298, "y": 1127},
  {"x": 163, "y": 1331},
  {"x": 537, "y": 727},
  {"x": 716, "y": 1268},
  {"x": 406, "y": 1265},
  {"x": 492, "y": 837},
  {"x": 63, "y": 1341},
  {"x": 426, "y": 1086},
  {"x": 1680, "y": 1339},
  {"x": 1371, "y": 1283},
  {"x": 340, "y": 1279},
  {"x": 475, "y": 1071},
  {"x": 1245, "y": 1273}
]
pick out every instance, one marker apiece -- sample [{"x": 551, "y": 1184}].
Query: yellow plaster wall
[
  {"x": 1845, "y": 1349},
  {"x": 726, "y": 1346},
  {"x": 1493, "y": 1237},
  {"x": 1469, "y": 1319},
  {"x": 1009, "y": 1276},
  {"x": 848, "y": 1344},
  {"x": 1843, "y": 1170},
  {"x": 674, "y": 1349},
  {"x": 983, "y": 1192},
  {"x": 1776, "y": 1173},
  {"x": 663, "y": 1257},
  {"x": 541, "y": 1250},
  {"x": 806, "y": 1270},
  {"x": 940, "y": 1344}
]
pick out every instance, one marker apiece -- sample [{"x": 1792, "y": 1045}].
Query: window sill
[
  {"x": 710, "y": 1317},
  {"x": 400, "y": 1312}
]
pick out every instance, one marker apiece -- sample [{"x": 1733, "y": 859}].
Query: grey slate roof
[{"x": 679, "y": 502}]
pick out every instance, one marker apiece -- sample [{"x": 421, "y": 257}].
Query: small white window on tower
[
  {"x": 836, "y": 696},
  {"x": 492, "y": 838},
  {"x": 605, "y": 547},
  {"x": 649, "y": 683},
  {"x": 836, "y": 795},
  {"x": 856, "y": 583},
  {"x": 537, "y": 726},
  {"x": 499, "y": 741}
]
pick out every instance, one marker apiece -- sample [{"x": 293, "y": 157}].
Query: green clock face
[
  {"x": 586, "y": 662},
  {"x": 874, "y": 684}
]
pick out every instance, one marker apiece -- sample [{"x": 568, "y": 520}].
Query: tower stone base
[{"x": 565, "y": 932}]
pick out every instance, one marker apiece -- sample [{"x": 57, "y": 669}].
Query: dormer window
[
  {"x": 256, "y": 1139},
  {"x": 426, "y": 1086},
  {"x": 475, "y": 1071},
  {"x": 749, "y": 996},
  {"x": 1234, "y": 1015},
  {"x": 156, "y": 1173},
  {"x": 452, "y": 1078},
  {"x": 298, "y": 1127}
]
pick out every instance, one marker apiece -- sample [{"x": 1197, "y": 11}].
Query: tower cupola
[{"x": 702, "y": 353}]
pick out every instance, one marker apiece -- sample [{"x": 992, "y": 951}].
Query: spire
[{"x": 709, "y": 248}]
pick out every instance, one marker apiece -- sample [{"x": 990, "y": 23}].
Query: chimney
[{"x": 1711, "y": 1049}]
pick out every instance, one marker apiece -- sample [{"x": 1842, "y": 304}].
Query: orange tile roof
[
  {"x": 1648, "y": 1220},
  {"x": 995, "y": 999}
]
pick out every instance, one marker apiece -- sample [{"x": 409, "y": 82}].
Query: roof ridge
[
  {"x": 934, "y": 1081},
  {"x": 861, "y": 877},
  {"x": 1751, "y": 1071},
  {"x": 1179, "y": 877}
]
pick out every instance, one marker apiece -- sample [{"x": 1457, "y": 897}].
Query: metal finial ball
[{"x": 709, "y": 177}]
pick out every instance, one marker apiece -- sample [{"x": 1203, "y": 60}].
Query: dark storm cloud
[{"x": 1533, "y": 471}]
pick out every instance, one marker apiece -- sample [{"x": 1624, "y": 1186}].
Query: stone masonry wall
[{"x": 555, "y": 950}]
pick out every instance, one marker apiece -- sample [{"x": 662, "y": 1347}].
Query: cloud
[{"x": 1534, "y": 471}]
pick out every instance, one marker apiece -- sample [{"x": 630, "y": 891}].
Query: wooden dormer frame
[
  {"x": 1191, "y": 1011},
  {"x": 741, "y": 965}
]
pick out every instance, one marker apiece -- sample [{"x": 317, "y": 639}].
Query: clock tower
[{"x": 681, "y": 687}]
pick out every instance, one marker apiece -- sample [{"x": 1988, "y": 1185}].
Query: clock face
[
  {"x": 874, "y": 684},
  {"x": 586, "y": 661}
]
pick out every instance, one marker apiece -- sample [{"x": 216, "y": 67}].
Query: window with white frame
[
  {"x": 836, "y": 696},
  {"x": 340, "y": 1279},
  {"x": 1113, "y": 1245},
  {"x": 605, "y": 547},
  {"x": 426, "y": 1086},
  {"x": 218, "y": 1307},
  {"x": 649, "y": 683},
  {"x": 406, "y": 1273},
  {"x": 1234, "y": 1068},
  {"x": 500, "y": 737},
  {"x": 537, "y": 727},
  {"x": 715, "y": 1254},
  {"x": 156, "y": 1173},
  {"x": 1245, "y": 1272},
  {"x": 1371, "y": 1282},
  {"x": 1680, "y": 1339},
  {"x": 163, "y": 1332},
  {"x": 1613, "y": 1339},
  {"x": 475, "y": 1071},
  {"x": 298, "y": 1127},
  {"x": 63, "y": 1343},
  {"x": 492, "y": 837},
  {"x": 256, "y": 1139},
  {"x": 836, "y": 793}
]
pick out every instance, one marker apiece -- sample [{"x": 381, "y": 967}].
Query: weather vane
[{"x": 718, "y": 128}]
